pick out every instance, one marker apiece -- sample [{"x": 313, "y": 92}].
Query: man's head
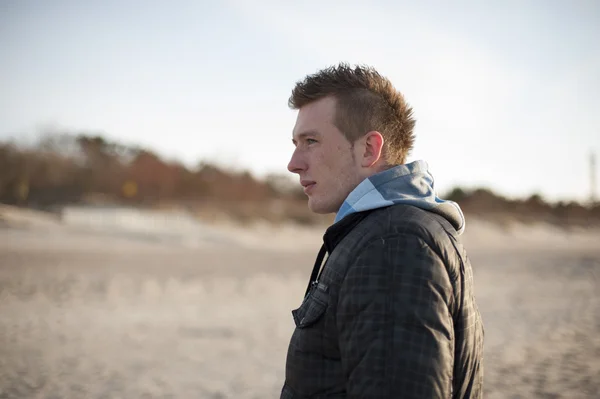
[{"x": 351, "y": 124}]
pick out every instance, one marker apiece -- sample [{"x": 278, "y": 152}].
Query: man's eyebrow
[{"x": 305, "y": 134}]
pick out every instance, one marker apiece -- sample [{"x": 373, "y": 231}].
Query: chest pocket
[{"x": 313, "y": 307}]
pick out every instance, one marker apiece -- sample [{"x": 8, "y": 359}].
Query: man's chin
[{"x": 318, "y": 208}]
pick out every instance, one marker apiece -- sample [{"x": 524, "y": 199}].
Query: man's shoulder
[
  {"x": 406, "y": 226},
  {"x": 401, "y": 220},
  {"x": 405, "y": 219}
]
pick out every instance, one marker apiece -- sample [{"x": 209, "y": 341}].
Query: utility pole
[{"x": 593, "y": 178}]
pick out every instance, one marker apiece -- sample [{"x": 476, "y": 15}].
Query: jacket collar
[
  {"x": 337, "y": 231},
  {"x": 332, "y": 237}
]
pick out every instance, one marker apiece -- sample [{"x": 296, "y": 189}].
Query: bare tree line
[{"x": 68, "y": 168}]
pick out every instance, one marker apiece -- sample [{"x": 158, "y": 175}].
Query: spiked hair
[{"x": 365, "y": 102}]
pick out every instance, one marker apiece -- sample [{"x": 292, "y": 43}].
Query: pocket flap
[{"x": 312, "y": 308}]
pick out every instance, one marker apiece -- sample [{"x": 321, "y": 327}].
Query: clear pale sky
[{"x": 506, "y": 94}]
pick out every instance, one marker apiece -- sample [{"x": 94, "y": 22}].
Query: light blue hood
[{"x": 410, "y": 184}]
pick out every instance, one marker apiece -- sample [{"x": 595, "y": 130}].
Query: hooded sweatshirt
[{"x": 410, "y": 184}]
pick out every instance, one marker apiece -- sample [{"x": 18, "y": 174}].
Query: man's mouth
[{"x": 308, "y": 185}]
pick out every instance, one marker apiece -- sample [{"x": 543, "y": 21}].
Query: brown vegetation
[
  {"x": 486, "y": 204},
  {"x": 69, "y": 169},
  {"x": 74, "y": 169}
]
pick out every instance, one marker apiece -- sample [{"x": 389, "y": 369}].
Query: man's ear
[{"x": 373, "y": 148}]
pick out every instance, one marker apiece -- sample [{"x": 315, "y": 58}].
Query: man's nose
[{"x": 296, "y": 164}]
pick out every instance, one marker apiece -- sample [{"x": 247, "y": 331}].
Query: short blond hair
[{"x": 366, "y": 101}]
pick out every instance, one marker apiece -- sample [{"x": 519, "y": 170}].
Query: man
[{"x": 391, "y": 313}]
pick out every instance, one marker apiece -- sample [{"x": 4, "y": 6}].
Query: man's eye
[{"x": 311, "y": 141}]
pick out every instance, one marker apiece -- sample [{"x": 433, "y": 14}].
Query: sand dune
[{"x": 113, "y": 313}]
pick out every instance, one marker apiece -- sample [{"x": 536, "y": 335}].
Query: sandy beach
[{"x": 113, "y": 313}]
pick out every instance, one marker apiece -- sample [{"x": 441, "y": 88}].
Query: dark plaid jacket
[{"x": 392, "y": 315}]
